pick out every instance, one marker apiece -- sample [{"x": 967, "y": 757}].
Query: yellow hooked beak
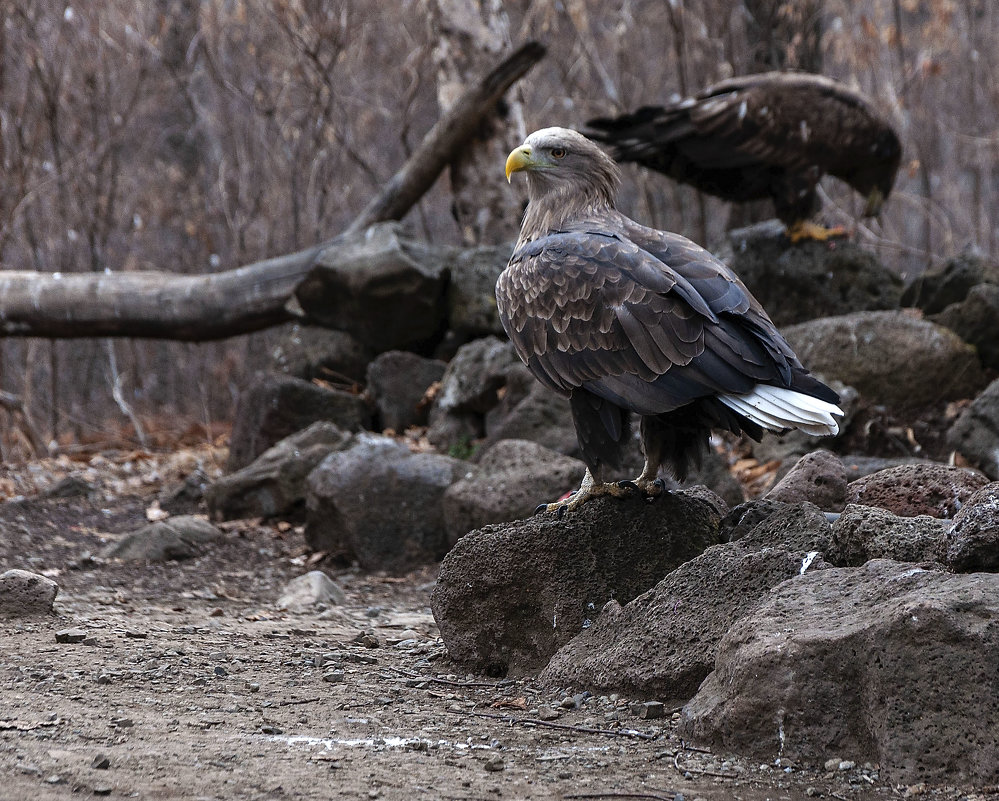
[
  {"x": 519, "y": 159},
  {"x": 874, "y": 202}
]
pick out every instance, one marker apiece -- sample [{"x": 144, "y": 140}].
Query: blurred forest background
[{"x": 198, "y": 135}]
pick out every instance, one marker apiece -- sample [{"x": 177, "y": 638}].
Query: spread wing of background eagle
[
  {"x": 772, "y": 135},
  {"x": 626, "y": 319}
]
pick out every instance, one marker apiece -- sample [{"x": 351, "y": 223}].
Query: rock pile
[{"x": 845, "y": 611}]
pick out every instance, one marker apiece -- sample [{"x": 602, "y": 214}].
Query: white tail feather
[{"x": 777, "y": 408}]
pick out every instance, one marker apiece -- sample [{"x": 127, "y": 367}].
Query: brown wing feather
[{"x": 581, "y": 313}]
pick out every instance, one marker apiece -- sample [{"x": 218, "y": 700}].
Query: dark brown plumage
[
  {"x": 625, "y": 319},
  {"x": 769, "y": 135}
]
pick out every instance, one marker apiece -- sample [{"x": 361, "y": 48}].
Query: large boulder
[
  {"x": 509, "y": 595},
  {"x": 529, "y": 410},
  {"x": 976, "y": 320},
  {"x": 273, "y": 485},
  {"x": 890, "y": 357},
  {"x": 975, "y": 433},
  {"x": 888, "y": 663},
  {"x": 938, "y": 288},
  {"x": 470, "y": 387},
  {"x": 382, "y": 286},
  {"x": 973, "y": 544},
  {"x": 508, "y": 483},
  {"x": 184, "y": 537},
  {"x": 810, "y": 279},
  {"x": 381, "y": 504},
  {"x": 471, "y": 295},
  {"x": 26, "y": 594},
  {"x": 818, "y": 477},
  {"x": 662, "y": 645},
  {"x": 273, "y": 407},
  {"x": 311, "y": 351},
  {"x": 397, "y": 385},
  {"x": 908, "y": 490},
  {"x": 863, "y": 533}
]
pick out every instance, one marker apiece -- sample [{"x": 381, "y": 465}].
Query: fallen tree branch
[{"x": 196, "y": 308}]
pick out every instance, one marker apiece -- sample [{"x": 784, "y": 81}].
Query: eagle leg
[
  {"x": 803, "y": 229},
  {"x": 589, "y": 488}
]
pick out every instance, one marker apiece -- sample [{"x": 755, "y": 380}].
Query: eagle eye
[{"x": 558, "y": 152}]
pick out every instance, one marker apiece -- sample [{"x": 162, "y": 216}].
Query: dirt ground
[{"x": 191, "y": 684}]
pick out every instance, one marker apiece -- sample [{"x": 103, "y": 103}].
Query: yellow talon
[{"x": 803, "y": 229}]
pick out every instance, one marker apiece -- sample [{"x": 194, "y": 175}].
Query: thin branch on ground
[{"x": 566, "y": 727}]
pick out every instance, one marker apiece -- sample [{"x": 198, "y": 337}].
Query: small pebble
[
  {"x": 832, "y": 764},
  {"x": 649, "y": 710},
  {"x": 334, "y": 676},
  {"x": 101, "y": 762},
  {"x": 846, "y": 764},
  {"x": 548, "y": 713},
  {"x": 102, "y": 789},
  {"x": 268, "y": 729},
  {"x": 495, "y": 763},
  {"x": 253, "y": 687},
  {"x": 71, "y": 635},
  {"x": 122, "y": 723}
]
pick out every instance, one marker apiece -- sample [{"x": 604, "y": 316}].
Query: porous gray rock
[
  {"x": 471, "y": 294},
  {"x": 273, "y": 485},
  {"x": 818, "y": 477},
  {"x": 938, "y": 288},
  {"x": 310, "y": 590},
  {"x": 767, "y": 523},
  {"x": 936, "y": 490},
  {"x": 973, "y": 544},
  {"x": 273, "y": 407},
  {"x": 382, "y": 286},
  {"x": 381, "y": 504},
  {"x": 469, "y": 389},
  {"x": 663, "y": 643},
  {"x": 810, "y": 279},
  {"x": 184, "y": 537},
  {"x": 888, "y": 663},
  {"x": 511, "y": 478},
  {"x": 529, "y": 410},
  {"x": 890, "y": 357},
  {"x": 397, "y": 385},
  {"x": 509, "y": 595},
  {"x": 975, "y": 433},
  {"x": 311, "y": 351},
  {"x": 976, "y": 320},
  {"x": 26, "y": 594},
  {"x": 862, "y": 533}
]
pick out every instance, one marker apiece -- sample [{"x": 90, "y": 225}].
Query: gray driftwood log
[{"x": 249, "y": 298}]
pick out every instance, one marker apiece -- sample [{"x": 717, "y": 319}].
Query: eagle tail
[
  {"x": 780, "y": 408},
  {"x": 602, "y": 430}
]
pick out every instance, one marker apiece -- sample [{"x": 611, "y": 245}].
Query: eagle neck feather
[{"x": 554, "y": 208}]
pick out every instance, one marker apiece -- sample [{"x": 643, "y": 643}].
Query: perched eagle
[
  {"x": 621, "y": 318},
  {"x": 770, "y": 135}
]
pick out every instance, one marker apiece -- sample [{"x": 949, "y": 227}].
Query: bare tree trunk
[{"x": 469, "y": 34}]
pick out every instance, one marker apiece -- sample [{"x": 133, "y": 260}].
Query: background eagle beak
[
  {"x": 874, "y": 202},
  {"x": 519, "y": 159}
]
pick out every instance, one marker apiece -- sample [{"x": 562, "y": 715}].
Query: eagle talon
[
  {"x": 560, "y": 513},
  {"x": 541, "y": 508},
  {"x": 629, "y": 485}
]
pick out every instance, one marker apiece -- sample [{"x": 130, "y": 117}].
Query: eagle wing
[{"x": 649, "y": 331}]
